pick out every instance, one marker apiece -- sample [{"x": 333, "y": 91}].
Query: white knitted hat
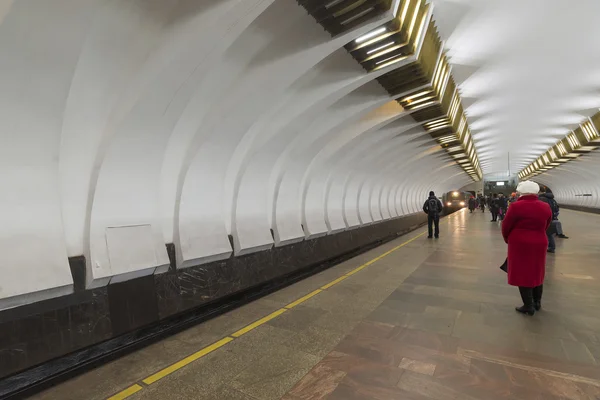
[{"x": 528, "y": 187}]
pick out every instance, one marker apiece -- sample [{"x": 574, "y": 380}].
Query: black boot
[
  {"x": 527, "y": 297},
  {"x": 537, "y": 297}
]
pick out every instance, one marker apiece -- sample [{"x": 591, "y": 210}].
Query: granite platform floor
[{"x": 432, "y": 319}]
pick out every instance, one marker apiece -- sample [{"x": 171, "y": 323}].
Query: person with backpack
[
  {"x": 494, "y": 207},
  {"x": 555, "y": 227},
  {"x": 433, "y": 208},
  {"x": 472, "y": 204},
  {"x": 502, "y": 206}
]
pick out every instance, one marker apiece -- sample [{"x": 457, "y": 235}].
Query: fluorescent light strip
[
  {"x": 437, "y": 121},
  {"x": 404, "y": 11},
  {"x": 387, "y": 59},
  {"x": 370, "y": 35},
  {"x": 414, "y": 20},
  {"x": 436, "y": 127},
  {"x": 573, "y": 141},
  {"x": 397, "y": 60},
  {"x": 423, "y": 105},
  {"x": 383, "y": 52},
  {"x": 421, "y": 29},
  {"x": 437, "y": 124},
  {"x": 414, "y": 96},
  {"x": 589, "y": 131},
  {"x": 380, "y": 48},
  {"x": 411, "y": 103},
  {"x": 332, "y": 3},
  {"x": 447, "y": 139},
  {"x": 357, "y": 16}
]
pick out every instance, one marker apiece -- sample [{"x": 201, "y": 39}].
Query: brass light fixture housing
[
  {"x": 421, "y": 81},
  {"x": 584, "y": 139}
]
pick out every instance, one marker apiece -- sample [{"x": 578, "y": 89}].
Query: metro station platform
[{"x": 413, "y": 319}]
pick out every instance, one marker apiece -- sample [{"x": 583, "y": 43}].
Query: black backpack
[
  {"x": 554, "y": 207},
  {"x": 433, "y": 206}
]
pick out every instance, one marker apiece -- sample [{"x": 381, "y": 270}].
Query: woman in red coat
[{"x": 524, "y": 229}]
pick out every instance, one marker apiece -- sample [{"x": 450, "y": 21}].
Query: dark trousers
[
  {"x": 558, "y": 225},
  {"x": 551, "y": 241},
  {"x": 530, "y": 296},
  {"x": 494, "y": 214},
  {"x": 431, "y": 221}
]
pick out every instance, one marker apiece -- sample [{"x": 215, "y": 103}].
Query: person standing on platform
[
  {"x": 502, "y": 206},
  {"x": 433, "y": 208},
  {"x": 524, "y": 230},
  {"x": 472, "y": 204},
  {"x": 482, "y": 203},
  {"x": 494, "y": 207},
  {"x": 556, "y": 227}
]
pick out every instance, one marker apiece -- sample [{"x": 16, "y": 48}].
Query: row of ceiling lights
[
  {"x": 580, "y": 141},
  {"x": 428, "y": 91},
  {"x": 451, "y": 130}
]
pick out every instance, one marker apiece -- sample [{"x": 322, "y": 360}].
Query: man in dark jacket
[
  {"x": 433, "y": 208},
  {"x": 502, "y": 206},
  {"x": 556, "y": 227},
  {"x": 494, "y": 207},
  {"x": 472, "y": 204}
]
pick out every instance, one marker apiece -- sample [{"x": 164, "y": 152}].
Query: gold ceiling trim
[
  {"x": 582, "y": 140},
  {"x": 423, "y": 86},
  {"x": 422, "y": 82},
  {"x": 339, "y": 16}
]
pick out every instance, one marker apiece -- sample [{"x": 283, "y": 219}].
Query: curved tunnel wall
[
  {"x": 576, "y": 183},
  {"x": 128, "y": 125}
]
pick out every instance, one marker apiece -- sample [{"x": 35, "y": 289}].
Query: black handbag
[{"x": 504, "y": 267}]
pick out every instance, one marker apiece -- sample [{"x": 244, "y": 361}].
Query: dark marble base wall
[
  {"x": 39, "y": 332},
  {"x": 581, "y": 208}
]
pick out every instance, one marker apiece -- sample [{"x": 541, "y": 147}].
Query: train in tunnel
[{"x": 455, "y": 200}]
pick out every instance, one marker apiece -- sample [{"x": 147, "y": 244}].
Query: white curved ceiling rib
[
  {"x": 575, "y": 183},
  {"x": 125, "y": 125},
  {"x": 528, "y": 72}
]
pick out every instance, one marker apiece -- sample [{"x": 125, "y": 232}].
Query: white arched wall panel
[
  {"x": 217, "y": 34},
  {"x": 314, "y": 182},
  {"x": 131, "y": 200},
  {"x": 249, "y": 233},
  {"x": 247, "y": 78},
  {"x": 38, "y": 54},
  {"x": 574, "y": 179},
  {"x": 356, "y": 156},
  {"x": 125, "y": 235},
  {"x": 244, "y": 182},
  {"x": 343, "y": 79},
  {"x": 294, "y": 160},
  {"x": 314, "y": 91},
  {"x": 285, "y": 49},
  {"x": 156, "y": 122}
]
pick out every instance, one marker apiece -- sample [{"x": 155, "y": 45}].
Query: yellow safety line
[
  {"x": 330, "y": 284},
  {"x": 209, "y": 349},
  {"x": 387, "y": 253},
  {"x": 126, "y": 393},
  {"x": 258, "y": 323},
  {"x": 180, "y": 364},
  {"x": 303, "y": 299}
]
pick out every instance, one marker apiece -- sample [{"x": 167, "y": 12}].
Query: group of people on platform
[{"x": 529, "y": 224}]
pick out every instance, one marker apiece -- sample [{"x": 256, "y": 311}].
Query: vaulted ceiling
[{"x": 527, "y": 72}]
